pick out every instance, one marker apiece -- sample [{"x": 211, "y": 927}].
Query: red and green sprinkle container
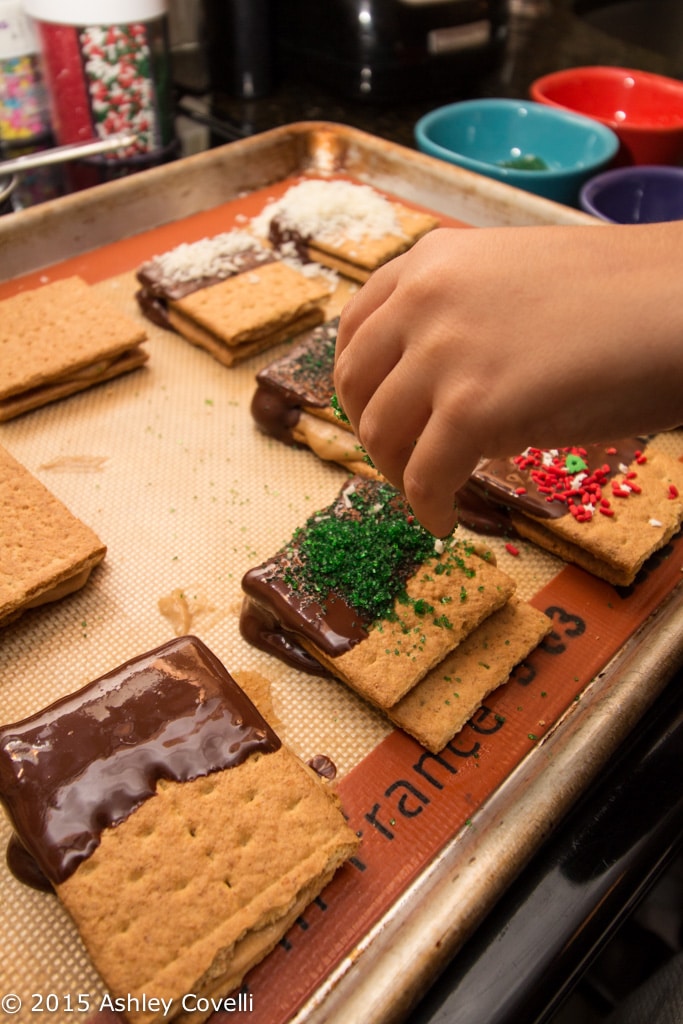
[{"x": 107, "y": 69}]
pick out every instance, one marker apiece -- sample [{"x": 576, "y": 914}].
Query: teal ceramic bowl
[{"x": 545, "y": 150}]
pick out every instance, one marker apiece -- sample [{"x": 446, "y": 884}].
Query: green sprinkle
[
  {"x": 575, "y": 464},
  {"x": 525, "y": 163},
  {"x": 365, "y": 553},
  {"x": 337, "y": 409}
]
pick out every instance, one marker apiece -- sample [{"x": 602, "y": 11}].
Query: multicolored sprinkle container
[
  {"x": 24, "y": 111},
  {"x": 108, "y": 75}
]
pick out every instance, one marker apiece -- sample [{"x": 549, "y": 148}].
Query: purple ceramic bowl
[{"x": 635, "y": 195}]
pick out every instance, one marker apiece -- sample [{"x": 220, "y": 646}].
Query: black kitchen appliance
[{"x": 390, "y": 49}]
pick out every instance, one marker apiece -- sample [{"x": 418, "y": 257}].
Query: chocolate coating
[
  {"x": 276, "y": 619},
  {"x": 299, "y": 600},
  {"x": 86, "y": 762},
  {"x": 301, "y": 378}
]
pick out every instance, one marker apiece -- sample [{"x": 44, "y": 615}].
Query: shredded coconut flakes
[
  {"x": 333, "y": 211},
  {"x": 209, "y": 257}
]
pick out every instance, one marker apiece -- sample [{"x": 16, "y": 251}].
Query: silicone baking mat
[{"x": 168, "y": 468}]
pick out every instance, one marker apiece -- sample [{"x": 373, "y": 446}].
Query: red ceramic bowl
[{"x": 644, "y": 109}]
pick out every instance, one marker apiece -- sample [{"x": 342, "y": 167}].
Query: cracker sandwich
[
  {"x": 178, "y": 831},
  {"x": 364, "y": 594},
  {"x": 350, "y": 228},
  {"x": 230, "y": 295},
  {"x": 59, "y": 339},
  {"x": 605, "y": 507},
  {"x": 46, "y": 552}
]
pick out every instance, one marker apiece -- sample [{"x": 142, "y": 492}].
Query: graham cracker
[
  {"x": 350, "y": 228},
  {"x": 46, "y": 552},
  {"x": 251, "y": 311},
  {"x": 186, "y": 877},
  {"x": 437, "y": 708},
  {"x": 398, "y": 653},
  {"x": 616, "y": 547},
  {"x": 357, "y": 260},
  {"x": 206, "y": 877},
  {"x": 444, "y": 597},
  {"x": 60, "y": 339}
]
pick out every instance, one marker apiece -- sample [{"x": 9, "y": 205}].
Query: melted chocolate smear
[
  {"x": 323, "y": 766},
  {"x": 86, "y": 762},
  {"x": 154, "y": 308},
  {"x": 302, "y": 377},
  {"x": 305, "y": 374},
  {"x": 478, "y": 512},
  {"x": 274, "y": 414},
  {"x": 287, "y": 238},
  {"x": 261, "y": 629},
  {"x": 24, "y": 867},
  {"x": 275, "y": 608}
]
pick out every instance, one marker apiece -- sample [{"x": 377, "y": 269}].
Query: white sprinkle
[
  {"x": 346, "y": 494},
  {"x": 654, "y": 522}
]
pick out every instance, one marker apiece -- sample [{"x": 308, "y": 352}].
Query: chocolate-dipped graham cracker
[
  {"x": 605, "y": 507},
  {"x": 437, "y": 708},
  {"x": 293, "y": 402},
  {"x": 46, "y": 552},
  {"x": 230, "y": 295},
  {"x": 181, "y": 835},
  {"x": 60, "y": 339},
  {"x": 363, "y": 593},
  {"x": 348, "y": 227}
]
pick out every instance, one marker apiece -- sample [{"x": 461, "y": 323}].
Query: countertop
[{"x": 543, "y": 36}]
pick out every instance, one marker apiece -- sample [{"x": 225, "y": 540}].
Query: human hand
[{"x": 479, "y": 342}]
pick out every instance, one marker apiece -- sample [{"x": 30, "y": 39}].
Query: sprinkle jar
[
  {"x": 23, "y": 97},
  {"x": 109, "y": 75}
]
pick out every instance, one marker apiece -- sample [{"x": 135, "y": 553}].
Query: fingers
[
  {"x": 440, "y": 463},
  {"x": 366, "y": 350},
  {"x": 394, "y": 370},
  {"x": 370, "y": 298},
  {"x": 424, "y": 449},
  {"x": 393, "y": 419}
]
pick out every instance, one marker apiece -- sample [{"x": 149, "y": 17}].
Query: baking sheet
[{"x": 166, "y": 465}]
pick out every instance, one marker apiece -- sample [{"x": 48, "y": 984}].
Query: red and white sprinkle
[{"x": 582, "y": 491}]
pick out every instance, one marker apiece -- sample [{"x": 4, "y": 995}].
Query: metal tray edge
[{"x": 75, "y": 224}]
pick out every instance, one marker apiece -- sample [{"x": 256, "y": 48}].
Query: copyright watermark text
[{"x": 83, "y": 1002}]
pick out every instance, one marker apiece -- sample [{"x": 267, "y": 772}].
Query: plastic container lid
[
  {"x": 105, "y": 12},
  {"x": 17, "y": 34}
]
